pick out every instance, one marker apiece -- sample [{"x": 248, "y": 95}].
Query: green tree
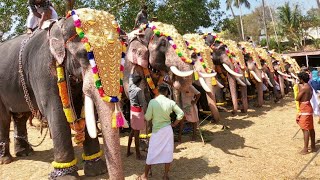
[
  {"x": 187, "y": 15},
  {"x": 238, "y": 3},
  {"x": 290, "y": 22}
]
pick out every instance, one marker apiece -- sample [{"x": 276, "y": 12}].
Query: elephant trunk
[
  {"x": 259, "y": 86},
  {"x": 111, "y": 136},
  {"x": 244, "y": 98},
  {"x": 212, "y": 101},
  {"x": 281, "y": 84},
  {"x": 233, "y": 92}
]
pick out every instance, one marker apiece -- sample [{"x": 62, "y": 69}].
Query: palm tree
[
  {"x": 238, "y": 3},
  {"x": 290, "y": 20}
]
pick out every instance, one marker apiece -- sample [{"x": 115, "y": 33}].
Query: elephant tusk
[
  {"x": 248, "y": 82},
  {"x": 207, "y": 75},
  {"x": 293, "y": 75},
  {"x": 177, "y": 72},
  {"x": 204, "y": 84},
  {"x": 269, "y": 82},
  {"x": 220, "y": 85},
  {"x": 90, "y": 118},
  {"x": 283, "y": 74},
  {"x": 290, "y": 80},
  {"x": 255, "y": 76},
  {"x": 231, "y": 71},
  {"x": 240, "y": 82}
]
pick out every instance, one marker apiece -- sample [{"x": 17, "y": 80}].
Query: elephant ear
[
  {"x": 138, "y": 54},
  {"x": 56, "y": 42}
]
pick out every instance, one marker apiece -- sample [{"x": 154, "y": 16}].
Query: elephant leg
[
  {"x": 64, "y": 159},
  {"x": 260, "y": 94},
  {"x": 21, "y": 144},
  {"x": 93, "y": 164},
  {"x": 233, "y": 92},
  {"x": 244, "y": 98},
  {"x": 5, "y": 118}
]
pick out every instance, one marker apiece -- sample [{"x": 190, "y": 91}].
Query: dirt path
[{"x": 258, "y": 145}]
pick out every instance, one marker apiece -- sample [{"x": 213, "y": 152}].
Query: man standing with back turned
[
  {"x": 161, "y": 143},
  {"x": 305, "y": 114}
]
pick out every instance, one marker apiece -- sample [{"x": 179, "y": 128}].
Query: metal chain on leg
[{"x": 2, "y": 148}]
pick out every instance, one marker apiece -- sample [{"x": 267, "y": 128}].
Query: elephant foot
[
  {"x": 94, "y": 167},
  {"x": 65, "y": 174},
  {"x": 6, "y": 159},
  {"x": 233, "y": 112},
  {"x": 5, "y": 156},
  {"x": 22, "y": 147},
  {"x": 244, "y": 111}
]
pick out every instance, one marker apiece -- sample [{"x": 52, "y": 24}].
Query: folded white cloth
[{"x": 161, "y": 147}]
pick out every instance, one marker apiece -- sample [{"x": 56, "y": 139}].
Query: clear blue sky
[{"x": 305, "y": 5}]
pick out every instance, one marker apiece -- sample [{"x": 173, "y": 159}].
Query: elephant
[
  {"x": 254, "y": 68},
  {"x": 268, "y": 70},
  {"x": 281, "y": 75},
  {"x": 40, "y": 53},
  {"x": 230, "y": 65},
  {"x": 204, "y": 67},
  {"x": 152, "y": 57}
]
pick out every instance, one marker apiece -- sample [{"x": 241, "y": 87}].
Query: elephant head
[
  {"x": 156, "y": 48},
  {"x": 90, "y": 39},
  {"x": 227, "y": 56},
  {"x": 280, "y": 69},
  {"x": 204, "y": 69}
]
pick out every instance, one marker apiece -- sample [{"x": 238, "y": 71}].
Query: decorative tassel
[
  {"x": 213, "y": 81},
  {"x": 114, "y": 120},
  {"x": 196, "y": 75}
]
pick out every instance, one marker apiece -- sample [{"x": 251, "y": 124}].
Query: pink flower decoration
[
  {"x": 174, "y": 46},
  {"x": 95, "y": 70},
  {"x": 153, "y": 28},
  {"x": 77, "y": 23},
  {"x": 121, "y": 68}
]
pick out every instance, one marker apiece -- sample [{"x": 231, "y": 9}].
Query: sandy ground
[{"x": 258, "y": 145}]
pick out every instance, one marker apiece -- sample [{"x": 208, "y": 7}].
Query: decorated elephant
[
  {"x": 230, "y": 67},
  {"x": 254, "y": 68},
  {"x": 157, "y": 51},
  {"x": 269, "y": 72},
  {"x": 204, "y": 70},
  {"x": 40, "y": 65},
  {"x": 281, "y": 76}
]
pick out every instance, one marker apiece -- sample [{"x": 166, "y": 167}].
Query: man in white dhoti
[
  {"x": 39, "y": 11},
  {"x": 161, "y": 143}
]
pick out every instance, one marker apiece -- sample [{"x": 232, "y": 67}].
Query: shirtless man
[
  {"x": 305, "y": 115},
  {"x": 142, "y": 17}
]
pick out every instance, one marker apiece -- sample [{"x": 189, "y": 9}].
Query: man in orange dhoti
[{"x": 305, "y": 114}]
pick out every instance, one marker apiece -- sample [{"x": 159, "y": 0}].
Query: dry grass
[{"x": 257, "y": 145}]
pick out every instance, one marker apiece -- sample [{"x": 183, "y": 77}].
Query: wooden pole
[
  {"x": 265, "y": 23},
  {"x": 274, "y": 29},
  {"x": 241, "y": 23}
]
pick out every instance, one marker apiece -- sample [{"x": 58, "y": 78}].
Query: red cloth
[
  {"x": 305, "y": 116},
  {"x": 137, "y": 118}
]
